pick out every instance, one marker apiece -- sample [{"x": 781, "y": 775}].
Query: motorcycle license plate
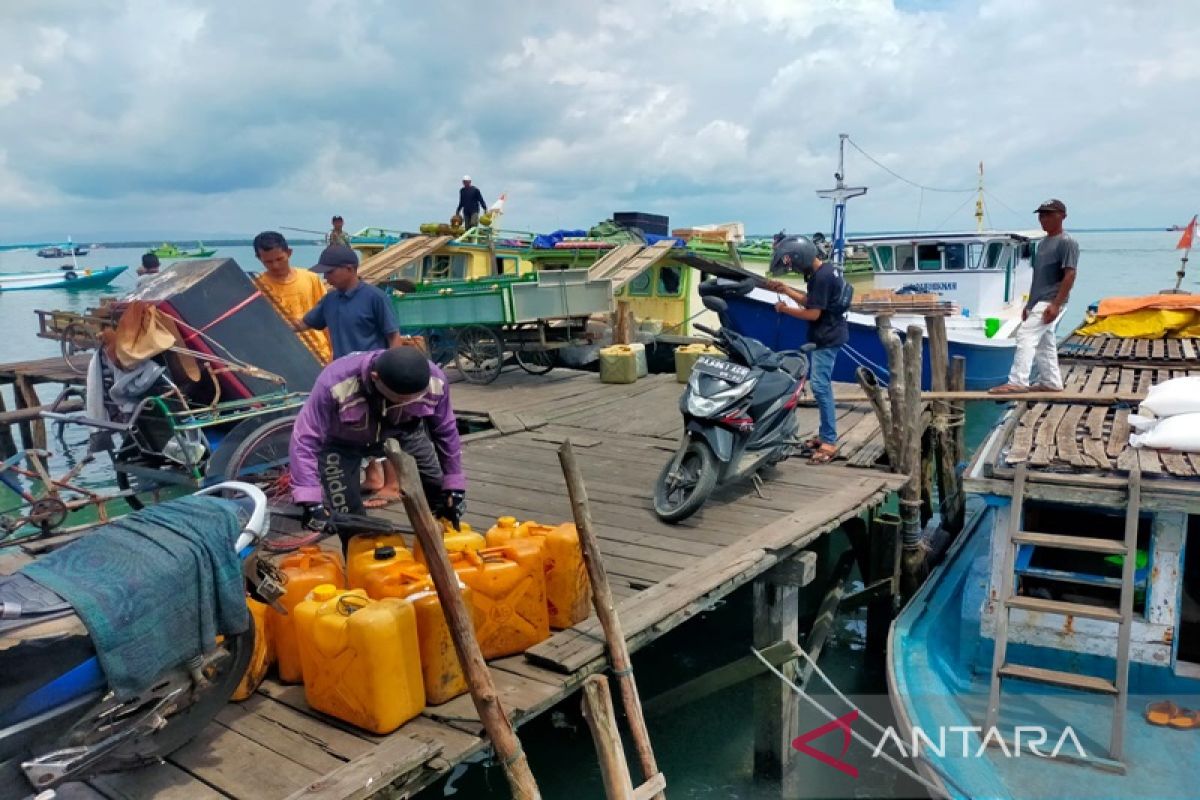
[{"x": 720, "y": 368}]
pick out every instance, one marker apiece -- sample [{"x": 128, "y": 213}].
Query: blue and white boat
[
  {"x": 985, "y": 275},
  {"x": 1086, "y": 643}
]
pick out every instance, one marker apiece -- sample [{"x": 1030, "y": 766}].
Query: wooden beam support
[
  {"x": 776, "y": 706},
  {"x": 733, "y": 673},
  {"x": 602, "y": 720},
  {"x": 8, "y": 447},
  {"x": 798, "y": 571}
]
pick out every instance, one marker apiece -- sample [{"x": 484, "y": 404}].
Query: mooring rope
[{"x": 932, "y": 787}]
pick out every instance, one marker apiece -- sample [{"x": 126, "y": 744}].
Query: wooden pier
[
  {"x": 274, "y": 746},
  {"x": 23, "y": 377}
]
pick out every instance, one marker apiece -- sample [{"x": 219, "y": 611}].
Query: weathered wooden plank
[
  {"x": 1022, "y": 441},
  {"x": 1174, "y": 351},
  {"x": 1176, "y": 464},
  {"x": 241, "y": 767},
  {"x": 1065, "y": 438},
  {"x": 1126, "y": 348},
  {"x": 1125, "y": 383},
  {"x": 1095, "y": 422},
  {"x": 1118, "y": 439},
  {"x": 1141, "y": 350},
  {"x": 521, "y": 697},
  {"x": 162, "y": 781},
  {"x": 1158, "y": 349},
  {"x": 368, "y": 774},
  {"x": 1094, "y": 380},
  {"x": 1094, "y": 449},
  {"x": 1045, "y": 436}
]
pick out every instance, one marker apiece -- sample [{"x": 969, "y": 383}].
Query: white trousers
[{"x": 1036, "y": 348}]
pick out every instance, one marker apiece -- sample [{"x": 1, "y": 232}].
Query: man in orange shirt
[{"x": 293, "y": 292}]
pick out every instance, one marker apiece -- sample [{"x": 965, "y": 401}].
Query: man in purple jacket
[{"x": 357, "y": 402}]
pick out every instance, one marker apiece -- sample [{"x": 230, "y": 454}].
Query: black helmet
[
  {"x": 402, "y": 370},
  {"x": 802, "y": 253}
]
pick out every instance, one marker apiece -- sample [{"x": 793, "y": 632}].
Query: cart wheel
[
  {"x": 75, "y": 340},
  {"x": 535, "y": 362},
  {"x": 480, "y": 353},
  {"x": 262, "y": 459}
]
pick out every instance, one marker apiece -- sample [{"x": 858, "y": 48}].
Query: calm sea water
[{"x": 704, "y": 749}]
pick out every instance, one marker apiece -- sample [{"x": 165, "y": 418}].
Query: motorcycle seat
[{"x": 40, "y": 638}]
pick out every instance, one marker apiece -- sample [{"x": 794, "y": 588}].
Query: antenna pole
[
  {"x": 840, "y": 194},
  {"x": 979, "y": 202}
]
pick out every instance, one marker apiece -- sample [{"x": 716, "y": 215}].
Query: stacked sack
[{"x": 1169, "y": 417}]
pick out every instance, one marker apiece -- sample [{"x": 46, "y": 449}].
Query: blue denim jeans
[{"x": 820, "y": 378}]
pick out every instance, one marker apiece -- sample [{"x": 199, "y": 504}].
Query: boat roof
[{"x": 948, "y": 236}]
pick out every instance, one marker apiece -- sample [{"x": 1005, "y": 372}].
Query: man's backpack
[{"x": 844, "y": 299}]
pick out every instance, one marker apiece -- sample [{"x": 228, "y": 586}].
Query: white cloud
[{"x": 239, "y": 116}]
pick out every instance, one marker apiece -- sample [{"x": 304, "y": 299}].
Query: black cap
[
  {"x": 334, "y": 256},
  {"x": 385, "y": 552},
  {"x": 150, "y": 261},
  {"x": 403, "y": 370},
  {"x": 1052, "y": 205},
  {"x": 802, "y": 251}
]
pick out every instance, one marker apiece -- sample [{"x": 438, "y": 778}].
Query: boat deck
[{"x": 274, "y": 746}]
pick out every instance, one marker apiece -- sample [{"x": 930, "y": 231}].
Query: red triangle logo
[{"x": 842, "y": 724}]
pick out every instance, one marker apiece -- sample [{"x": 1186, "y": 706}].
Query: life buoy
[{"x": 70, "y": 275}]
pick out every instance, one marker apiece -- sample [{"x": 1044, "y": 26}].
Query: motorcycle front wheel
[{"x": 679, "y": 494}]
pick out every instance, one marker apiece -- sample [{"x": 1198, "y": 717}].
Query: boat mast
[
  {"x": 979, "y": 202},
  {"x": 840, "y": 194}
]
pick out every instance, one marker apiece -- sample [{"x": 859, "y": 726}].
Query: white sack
[
  {"x": 1180, "y": 432},
  {"x": 1176, "y": 396}
]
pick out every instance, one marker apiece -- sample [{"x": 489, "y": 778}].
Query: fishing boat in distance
[
  {"x": 169, "y": 251},
  {"x": 62, "y": 251},
  {"x": 70, "y": 277}
]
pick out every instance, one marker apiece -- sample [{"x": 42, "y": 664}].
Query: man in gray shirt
[{"x": 1054, "y": 268}]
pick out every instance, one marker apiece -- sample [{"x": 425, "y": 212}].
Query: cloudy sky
[{"x": 153, "y": 118}]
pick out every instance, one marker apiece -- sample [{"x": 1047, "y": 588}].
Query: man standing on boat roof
[
  {"x": 1054, "y": 267},
  {"x": 470, "y": 201},
  {"x": 148, "y": 271},
  {"x": 824, "y": 307},
  {"x": 357, "y": 402},
  {"x": 337, "y": 235}
]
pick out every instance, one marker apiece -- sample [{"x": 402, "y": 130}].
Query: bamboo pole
[
  {"x": 601, "y": 719},
  {"x": 606, "y": 612},
  {"x": 462, "y": 631},
  {"x": 910, "y": 493}
]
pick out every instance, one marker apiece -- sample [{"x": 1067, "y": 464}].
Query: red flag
[{"x": 1185, "y": 241}]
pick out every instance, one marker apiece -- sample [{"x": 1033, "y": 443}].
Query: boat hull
[
  {"x": 987, "y": 363},
  {"x": 85, "y": 279}
]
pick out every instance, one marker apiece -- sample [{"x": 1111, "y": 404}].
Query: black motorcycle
[{"x": 738, "y": 413}]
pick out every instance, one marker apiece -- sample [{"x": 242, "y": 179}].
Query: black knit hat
[{"x": 403, "y": 370}]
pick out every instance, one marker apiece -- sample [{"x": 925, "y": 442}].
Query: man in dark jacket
[{"x": 470, "y": 201}]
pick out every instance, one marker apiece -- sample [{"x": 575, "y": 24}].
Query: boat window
[
  {"x": 1081, "y": 577},
  {"x": 904, "y": 258},
  {"x": 974, "y": 255},
  {"x": 882, "y": 258},
  {"x": 437, "y": 267},
  {"x": 458, "y": 267},
  {"x": 640, "y": 286},
  {"x": 506, "y": 265},
  {"x": 929, "y": 257},
  {"x": 955, "y": 256},
  {"x": 994, "y": 251},
  {"x": 670, "y": 281}
]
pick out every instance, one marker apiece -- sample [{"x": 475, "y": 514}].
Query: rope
[
  {"x": 900, "y": 177},
  {"x": 936, "y": 790},
  {"x": 234, "y": 310},
  {"x": 952, "y": 214}
]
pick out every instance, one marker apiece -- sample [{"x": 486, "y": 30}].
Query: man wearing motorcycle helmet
[
  {"x": 824, "y": 308},
  {"x": 358, "y": 402}
]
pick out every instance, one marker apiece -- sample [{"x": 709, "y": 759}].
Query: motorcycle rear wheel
[
  {"x": 181, "y": 726},
  {"x": 677, "y": 499}
]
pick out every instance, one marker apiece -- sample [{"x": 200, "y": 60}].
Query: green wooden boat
[{"x": 167, "y": 250}]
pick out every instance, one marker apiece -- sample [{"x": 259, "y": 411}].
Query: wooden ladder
[{"x": 1118, "y": 688}]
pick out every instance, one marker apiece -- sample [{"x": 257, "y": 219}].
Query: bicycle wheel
[
  {"x": 262, "y": 459},
  {"x": 75, "y": 341}
]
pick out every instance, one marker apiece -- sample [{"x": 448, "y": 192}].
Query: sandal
[
  {"x": 1008, "y": 388},
  {"x": 809, "y": 445},
  {"x": 824, "y": 454},
  {"x": 1043, "y": 387},
  {"x": 1161, "y": 713},
  {"x": 381, "y": 500},
  {"x": 1185, "y": 720}
]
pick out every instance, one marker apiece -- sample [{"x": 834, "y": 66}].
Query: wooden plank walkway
[
  {"x": 1085, "y": 444},
  {"x": 274, "y": 746}
]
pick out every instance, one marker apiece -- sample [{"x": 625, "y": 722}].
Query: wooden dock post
[
  {"x": 606, "y": 612},
  {"x": 951, "y": 503},
  {"x": 776, "y": 707},
  {"x": 602, "y": 720},
  {"x": 8, "y": 447},
  {"x": 910, "y": 495},
  {"x": 958, "y": 383},
  {"x": 479, "y": 679}
]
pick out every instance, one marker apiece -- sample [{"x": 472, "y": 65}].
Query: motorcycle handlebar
[{"x": 708, "y": 330}]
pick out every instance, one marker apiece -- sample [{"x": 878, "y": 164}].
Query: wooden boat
[
  {"x": 1065, "y": 611},
  {"x": 169, "y": 251},
  {"x": 73, "y": 278},
  {"x": 55, "y": 251}
]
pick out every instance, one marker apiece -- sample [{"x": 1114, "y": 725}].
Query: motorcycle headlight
[{"x": 700, "y": 406}]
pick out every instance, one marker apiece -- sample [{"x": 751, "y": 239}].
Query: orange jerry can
[
  {"x": 504, "y": 531},
  {"x": 367, "y": 553},
  {"x": 456, "y": 541},
  {"x": 442, "y": 672},
  {"x": 508, "y": 587},
  {"x": 305, "y": 569},
  {"x": 568, "y": 590},
  {"x": 263, "y": 655},
  {"x": 361, "y": 657}
]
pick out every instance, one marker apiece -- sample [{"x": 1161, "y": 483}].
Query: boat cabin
[{"x": 982, "y": 273}]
